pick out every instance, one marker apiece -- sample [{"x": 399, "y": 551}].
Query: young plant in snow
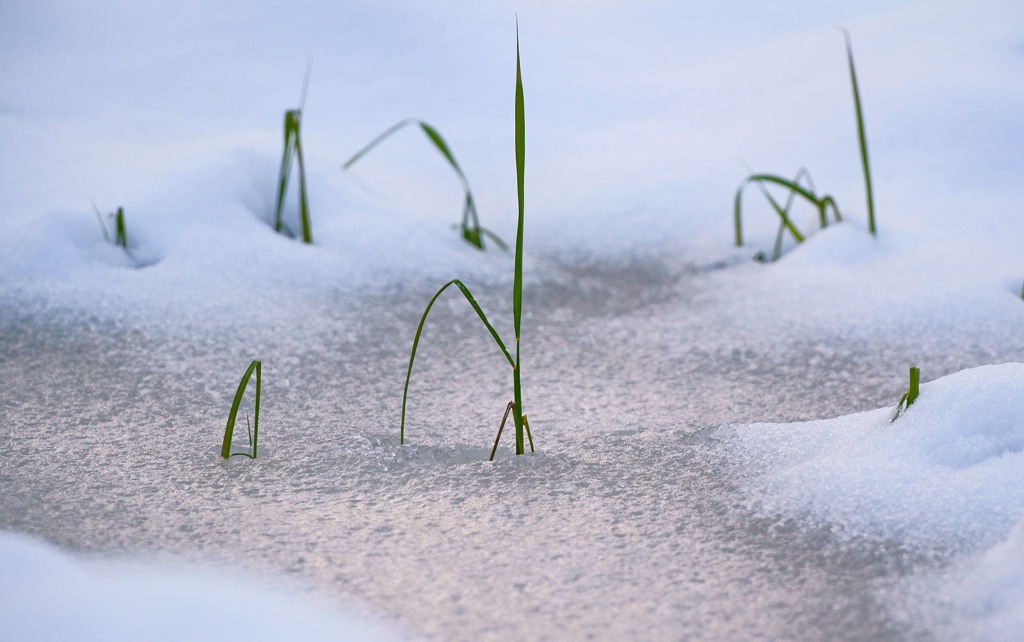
[
  {"x": 515, "y": 407},
  {"x": 472, "y": 231},
  {"x": 293, "y": 149},
  {"x": 910, "y": 396},
  {"x": 254, "y": 429},
  {"x": 120, "y": 231},
  {"x": 822, "y": 202}
]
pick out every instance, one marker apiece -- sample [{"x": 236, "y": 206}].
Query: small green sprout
[
  {"x": 472, "y": 231},
  {"x": 515, "y": 407},
  {"x": 293, "y": 149},
  {"x": 120, "y": 231},
  {"x": 910, "y": 396},
  {"x": 225, "y": 449},
  {"x": 822, "y": 202}
]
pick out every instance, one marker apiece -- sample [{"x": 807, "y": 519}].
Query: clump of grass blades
[
  {"x": 822, "y": 202},
  {"x": 254, "y": 430},
  {"x": 293, "y": 150},
  {"x": 120, "y": 231},
  {"x": 515, "y": 407},
  {"x": 472, "y": 231},
  {"x": 910, "y": 396}
]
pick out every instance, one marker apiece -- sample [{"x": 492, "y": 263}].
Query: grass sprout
[
  {"x": 293, "y": 150},
  {"x": 254, "y": 431},
  {"x": 823, "y": 203},
  {"x": 514, "y": 407},
  {"x": 910, "y": 396},
  {"x": 120, "y": 231},
  {"x": 472, "y": 231}
]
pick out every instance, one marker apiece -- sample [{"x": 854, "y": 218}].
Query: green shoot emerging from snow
[
  {"x": 910, "y": 396},
  {"x": 225, "y": 449},
  {"x": 823, "y": 203},
  {"x": 472, "y": 232},
  {"x": 120, "y": 231},
  {"x": 293, "y": 149},
  {"x": 515, "y": 407}
]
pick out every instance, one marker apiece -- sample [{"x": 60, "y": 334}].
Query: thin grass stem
[{"x": 861, "y": 135}]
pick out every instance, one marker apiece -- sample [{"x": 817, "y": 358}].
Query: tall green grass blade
[
  {"x": 419, "y": 330},
  {"x": 861, "y": 135},
  {"x": 225, "y": 449},
  {"x": 517, "y": 281}
]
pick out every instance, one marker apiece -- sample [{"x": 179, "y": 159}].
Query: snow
[
  {"x": 50, "y": 595},
  {"x": 715, "y": 457}
]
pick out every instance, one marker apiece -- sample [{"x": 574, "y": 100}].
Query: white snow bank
[
  {"x": 946, "y": 471},
  {"x": 49, "y": 595}
]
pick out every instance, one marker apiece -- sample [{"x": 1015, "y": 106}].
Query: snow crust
[{"x": 644, "y": 328}]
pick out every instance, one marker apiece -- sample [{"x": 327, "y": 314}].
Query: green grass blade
[
  {"x": 225, "y": 450},
  {"x": 494, "y": 237},
  {"x": 439, "y": 142},
  {"x": 861, "y": 135},
  {"x": 517, "y": 282},
  {"x": 307, "y": 229},
  {"x": 470, "y": 220},
  {"x": 760, "y": 179},
  {"x": 910, "y": 396},
  {"x": 286, "y": 168},
  {"x": 373, "y": 143},
  {"x": 120, "y": 231},
  {"x": 419, "y": 330}
]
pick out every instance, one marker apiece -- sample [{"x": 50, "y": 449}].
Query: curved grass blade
[
  {"x": 419, "y": 330},
  {"x": 861, "y": 135},
  {"x": 760, "y": 179},
  {"x": 470, "y": 219},
  {"x": 225, "y": 449},
  {"x": 517, "y": 281}
]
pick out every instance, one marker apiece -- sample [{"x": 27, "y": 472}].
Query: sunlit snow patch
[
  {"x": 945, "y": 474},
  {"x": 49, "y": 595}
]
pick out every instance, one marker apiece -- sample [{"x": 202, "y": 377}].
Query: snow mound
[
  {"x": 947, "y": 470},
  {"x": 49, "y": 595}
]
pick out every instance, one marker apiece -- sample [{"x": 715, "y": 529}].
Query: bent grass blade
[
  {"x": 419, "y": 330},
  {"x": 823, "y": 203},
  {"x": 472, "y": 232},
  {"x": 225, "y": 449}
]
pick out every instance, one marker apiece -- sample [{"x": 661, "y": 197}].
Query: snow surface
[
  {"x": 50, "y": 595},
  {"x": 672, "y": 496}
]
